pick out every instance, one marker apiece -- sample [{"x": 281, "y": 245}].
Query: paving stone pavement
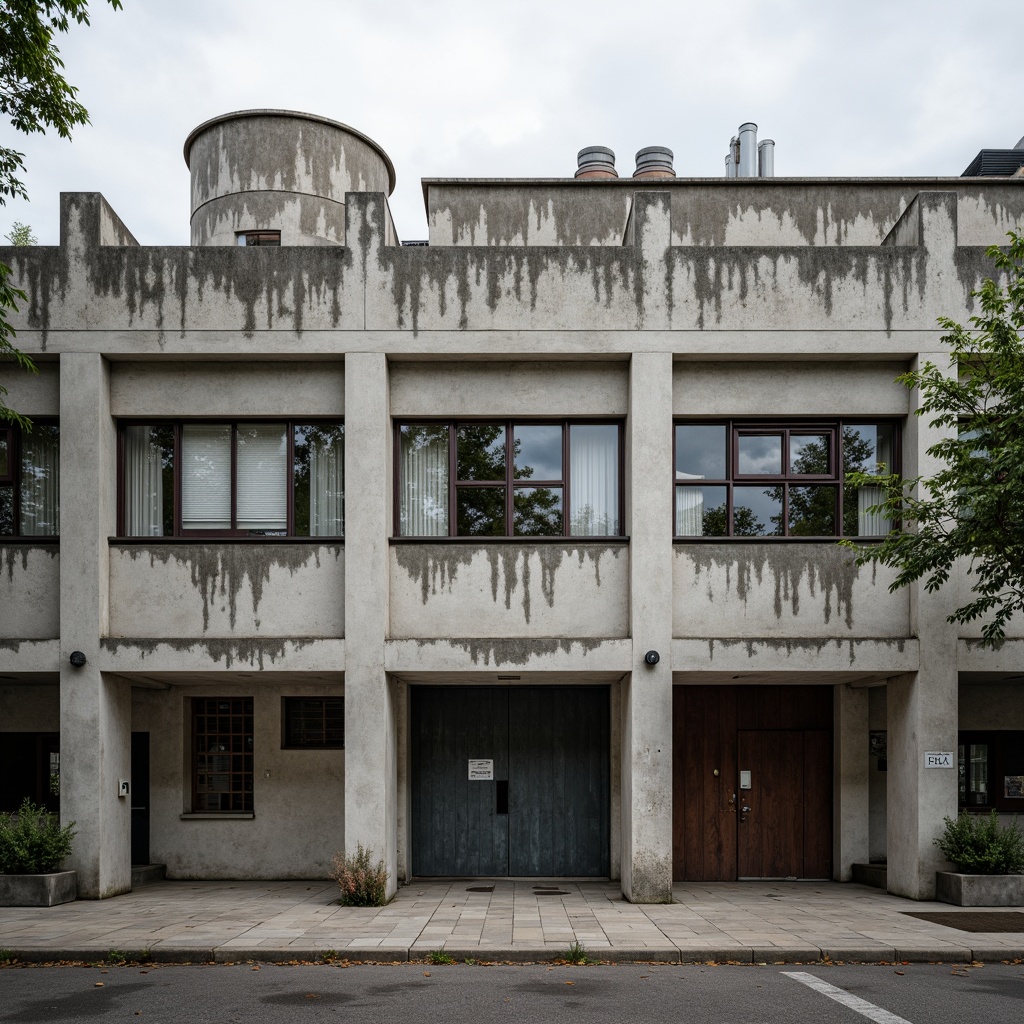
[{"x": 742, "y": 921}]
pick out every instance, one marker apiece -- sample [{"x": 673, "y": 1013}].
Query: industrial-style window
[
  {"x": 258, "y": 238},
  {"x": 30, "y": 481},
  {"x": 991, "y": 769},
  {"x": 222, "y": 741},
  {"x": 508, "y": 479},
  {"x": 232, "y": 479},
  {"x": 764, "y": 479},
  {"x": 314, "y": 723}
]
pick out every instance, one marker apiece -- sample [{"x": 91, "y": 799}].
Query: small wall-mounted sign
[
  {"x": 938, "y": 759},
  {"x": 744, "y": 779},
  {"x": 1013, "y": 786},
  {"x": 481, "y": 769}
]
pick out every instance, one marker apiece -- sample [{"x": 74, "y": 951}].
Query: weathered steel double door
[{"x": 544, "y": 812}]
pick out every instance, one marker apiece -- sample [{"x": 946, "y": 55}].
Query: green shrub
[
  {"x": 981, "y": 846},
  {"x": 32, "y": 841},
  {"x": 362, "y": 883}
]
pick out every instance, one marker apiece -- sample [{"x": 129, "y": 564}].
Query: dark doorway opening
[{"x": 140, "y": 798}]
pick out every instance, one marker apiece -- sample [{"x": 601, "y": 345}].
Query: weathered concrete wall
[
  {"x": 29, "y": 591},
  {"x": 298, "y": 795},
  {"x": 569, "y": 589},
  {"x": 32, "y": 394},
  {"x": 782, "y": 590},
  {"x": 29, "y": 707},
  {"x": 513, "y": 388},
  {"x": 757, "y": 389},
  {"x": 227, "y": 590},
  {"x": 876, "y": 779},
  {"x": 707, "y": 212},
  {"x": 275, "y": 169},
  {"x": 227, "y": 389}
]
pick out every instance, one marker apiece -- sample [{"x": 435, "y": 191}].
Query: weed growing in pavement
[
  {"x": 439, "y": 956},
  {"x": 329, "y": 954},
  {"x": 576, "y": 954},
  {"x": 469, "y": 961},
  {"x": 117, "y": 956},
  {"x": 362, "y": 883},
  {"x": 6, "y": 956}
]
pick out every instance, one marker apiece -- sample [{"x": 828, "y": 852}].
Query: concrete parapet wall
[
  {"x": 568, "y": 589},
  {"x": 779, "y": 590},
  {"x": 227, "y": 590},
  {"x": 29, "y": 591}
]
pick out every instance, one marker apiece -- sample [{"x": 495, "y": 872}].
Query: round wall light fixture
[
  {"x": 77, "y": 659},
  {"x": 652, "y": 657}
]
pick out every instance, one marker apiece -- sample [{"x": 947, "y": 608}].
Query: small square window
[{"x": 314, "y": 723}]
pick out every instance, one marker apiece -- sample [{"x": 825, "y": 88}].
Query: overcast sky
[{"x": 466, "y": 88}]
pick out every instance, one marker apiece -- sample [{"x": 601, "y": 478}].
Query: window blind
[
  {"x": 262, "y": 501},
  {"x": 206, "y": 477}
]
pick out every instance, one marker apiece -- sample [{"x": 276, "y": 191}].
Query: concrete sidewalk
[{"x": 279, "y": 921}]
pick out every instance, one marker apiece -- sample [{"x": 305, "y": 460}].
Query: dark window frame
[
  {"x": 510, "y": 482},
  {"x": 288, "y": 709},
  {"x": 1000, "y": 757},
  {"x": 737, "y": 426},
  {"x": 255, "y": 239},
  {"x": 239, "y": 708},
  {"x": 13, "y": 480},
  {"x": 177, "y": 425}
]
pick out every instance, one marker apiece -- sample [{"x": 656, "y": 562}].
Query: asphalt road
[{"x": 915, "y": 993}]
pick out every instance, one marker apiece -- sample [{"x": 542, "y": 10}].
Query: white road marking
[{"x": 855, "y": 1003}]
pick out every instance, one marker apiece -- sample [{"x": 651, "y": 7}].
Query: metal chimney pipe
[
  {"x": 596, "y": 162},
  {"x": 766, "y": 158},
  {"x": 748, "y": 150},
  {"x": 732, "y": 158},
  {"x": 730, "y": 167},
  {"x": 654, "y": 162}
]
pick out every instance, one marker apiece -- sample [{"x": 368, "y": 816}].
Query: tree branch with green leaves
[
  {"x": 34, "y": 97},
  {"x": 971, "y": 511}
]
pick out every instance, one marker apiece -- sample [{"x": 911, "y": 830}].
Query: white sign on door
[
  {"x": 938, "y": 759},
  {"x": 481, "y": 769}
]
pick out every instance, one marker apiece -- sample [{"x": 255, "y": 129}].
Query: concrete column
[
  {"x": 849, "y": 781},
  {"x": 371, "y": 802},
  {"x": 95, "y": 707},
  {"x": 646, "y": 700},
  {"x": 922, "y": 711}
]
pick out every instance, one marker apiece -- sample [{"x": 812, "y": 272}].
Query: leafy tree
[
  {"x": 972, "y": 509},
  {"x": 34, "y": 96},
  {"x": 21, "y": 234}
]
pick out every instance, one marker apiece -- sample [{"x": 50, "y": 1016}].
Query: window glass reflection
[
  {"x": 760, "y": 454},
  {"x": 537, "y": 452},
  {"x": 700, "y": 451},
  {"x": 757, "y": 511}
]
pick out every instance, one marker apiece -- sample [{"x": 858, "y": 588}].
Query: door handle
[{"x": 501, "y": 797}]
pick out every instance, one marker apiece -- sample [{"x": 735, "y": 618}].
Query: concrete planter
[
  {"x": 979, "y": 890},
  {"x": 38, "y": 890}
]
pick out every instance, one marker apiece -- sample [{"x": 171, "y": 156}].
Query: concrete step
[
  {"x": 870, "y": 874},
  {"x": 146, "y": 874}
]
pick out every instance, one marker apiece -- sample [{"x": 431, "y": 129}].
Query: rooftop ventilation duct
[
  {"x": 596, "y": 162},
  {"x": 654, "y": 162},
  {"x": 747, "y": 159}
]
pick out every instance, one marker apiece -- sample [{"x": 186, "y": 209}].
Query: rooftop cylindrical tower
[{"x": 269, "y": 177}]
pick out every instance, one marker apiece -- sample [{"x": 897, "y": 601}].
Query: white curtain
[
  {"x": 594, "y": 480},
  {"x": 262, "y": 476},
  {"x": 876, "y": 524},
  {"x": 871, "y": 524},
  {"x": 143, "y": 483},
  {"x": 689, "y": 507},
  {"x": 326, "y": 487},
  {"x": 40, "y": 482},
  {"x": 424, "y": 487},
  {"x": 206, "y": 477}
]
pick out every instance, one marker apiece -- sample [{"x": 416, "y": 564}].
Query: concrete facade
[{"x": 635, "y": 302}]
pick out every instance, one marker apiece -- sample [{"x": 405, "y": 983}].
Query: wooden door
[
  {"x": 458, "y": 827},
  {"x": 784, "y": 826},
  {"x": 704, "y": 783},
  {"x": 558, "y": 781},
  {"x": 546, "y": 810},
  {"x": 783, "y": 736}
]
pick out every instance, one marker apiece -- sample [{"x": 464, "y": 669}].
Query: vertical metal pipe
[
  {"x": 766, "y": 158},
  {"x": 748, "y": 150}
]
